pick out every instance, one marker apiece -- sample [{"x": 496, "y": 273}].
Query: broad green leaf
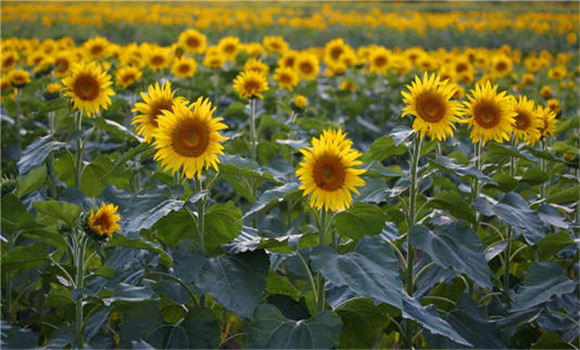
[
  {"x": 53, "y": 105},
  {"x": 101, "y": 172},
  {"x": 249, "y": 240},
  {"x": 553, "y": 243},
  {"x": 505, "y": 151},
  {"x": 362, "y": 323},
  {"x": 382, "y": 148},
  {"x": 535, "y": 176},
  {"x": 16, "y": 337},
  {"x": 454, "y": 246},
  {"x": 47, "y": 234},
  {"x": 169, "y": 337},
  {"x": 115, "y": 128},
  {"x": 566, "y": 195},
  {"x": 271, "y": 197},
  {"x": 31, "y": 182},
  {"x": 24, "y": 257},
  {"x": 222, "y": 224},
  {"x": 140, "y": 243},
  {"x": 551, "y": 216},
  {"x": 128, "y": 293},
  {"x": 360, "y": 220},
  {"x": 551, "y": 340},
  {"x": 375, "y": 191},
  {"x": 201, "y": 328},
  {"x": 505, "y": 182},
  {"x": 14, "y": 214},
  {"x": 453, "y": 203},
  {"x": 371, "y": 270},
  {"x": 138, "y": 321},
  {"x": 175, "y": 227},
  {"x": 35, "y": 153},
  {"x": 514, "y": 211},
  {"x": 150, "y": 217},
  {"x": 462, "y": 171},
  {"x": 236, "y": 281},
  {"x": 61, "y": 338},
  {"x": 62, "y": 211},
  {"x": 234, "y": 164},
  {"x": 273, "y": 331},
  {"x": 468, "y": 320},
  {"x": 543, "y": 279}
]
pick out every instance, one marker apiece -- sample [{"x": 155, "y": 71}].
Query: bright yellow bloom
[
  {"x": 105, "y": 221},
  {"x": 328, "y": 171},
  {"x": 250, "y": 84},
  {"x": 490, "y": 114},
  {"x": 429, "y": 100},
  {"x": 9, "y": 60},
  {"x": 554, "y": 105},
  {"x": 184, "y": 67},
  {"x": 500, "y": 66},
  {"x": 158, "y": 58},
  {"x": 127, "y": 76},
  {"x": 157, "y": 100},
  {"x": 527, "y": 79},
  {"x": 347, "y": 85},
  {"x": 549, "y": 121},
  {"x": 96, "y": 48},
  {"x": 63, "y": 62},
  {"x": 527, "y": 123},
  {"x": 19, "y": 77},
  {"x": 300, "y": 101},
  {"x": 289, "y": 59},
  {"x": 214, "y": 61},
  {"x": 88, "y": 87},
  {"x": 192, "y": 41},
  {"x": 256, "y": 65},
  {"x": 286, "y": 77},
  {"x": 54, "y": 88},
  {"x": 275, "y": 44},
  {"x": 307, "y": 66},
  {"x": 379, "y": 60},
  {"x": 557, "y": 72},
  {"x": 188, "y": 137},
  {"x": 229, "y": 47},
  {"x": 546, "y": 91}
]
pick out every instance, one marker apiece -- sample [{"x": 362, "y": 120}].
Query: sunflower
[
  {"x": 557, "y": 72},
  {"x": 490, "y": 115},
  {"x": 300, "y": 101},
  {"x": 275, "y": 44},
  {"x": 250, "y": 84},
  {"x": 44, "y": 65},
  {"x": 19, "y": 77},
  {"x": 9, "y": 60},
  {"x": 88, "y": 87},
  {"x": 127, "y": 76},
  {"x": 546, "y": 91},
  {"x": 429, "y": 100},
  {"x": 184, "y": 67},
  {"x": 104, "y": 222},
  {"x": 256, "y": 65},
  {"x": 527, "y": 123},
  {"x": 63, "y": 62},
  {"x": 500, "y": 66},
  {"x": 214, "y": 61},
  {"x": 229, "y": 47},
  {"x": 158, "y": 58},
  {"x": 96, "y": 48},
  {"x": 328, "y": 171},
  {"x": 333, "y": 51},
  {"x": 307, "y": 65},
  {"x": 154, "y": 103},
  {"x": 286, "y": 77},
  {"x": 549, "y": 121},
  {"x": 347, "y": 85},
  {"x": 554, "y": 105},
  {"x": 189, "y": 137},
  {"x": 54, "y": 88},
  {"x": 527, "y": 79},
  {"x": 289, "y": 59},
  {"x": 35, "y": 58},
  {"x": 192, "y": 41}
]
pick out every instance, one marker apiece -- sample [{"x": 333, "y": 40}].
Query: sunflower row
[{"x": 298, "y": 16}]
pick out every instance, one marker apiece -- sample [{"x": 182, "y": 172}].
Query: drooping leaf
[
  {"x": 566, "y": 195},
  {"x": 274, "y": 331},
  {"x": 32, "y": 181},
  {"x": 371, "y": 270},
  {"x": 543, "y": 279},
  {"x": 128, "y": 293},
  {"x": 249, "y": 240},
  {"x": 382, "y": 148},
  {"x": 140, "y": 243},
  {"x": 454, "y": 246},
  {"x": 453, "y": 203},
  {"x": 222, "y": 224},
  {"x": 360, "y": 220},
  {"x": 270, "y": 197},
  {"x": 101, "y": 172},
  {"x": 553, "y": 243},
  {"x": 169, "y": 337},
  {"x": 551, "y": 340},
  {"x": 61, "y": 211},
  {"x": 470, "y": 171},
  {"x": 35, "y": 153},
  {"x": 362, "y": 323},
  {"x": 24, "y": 257},
  {"x": 138, "y": 321}
]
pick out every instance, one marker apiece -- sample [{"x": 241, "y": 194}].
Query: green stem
[
  {"x": 253, "y": 138},
  {"x": 322, "y": 240},
  {"x": 50, "y": 161},
  {"x": 201, "y": 215},
  {"x": 506, "y": 271},
  {"x": 9, "y": 282},
  {"x": 311, "y": 279},
  {"x": 476, "y": 187},
  {"x": 543, "y": 168},
  {"x": 80, "y": 257},
  {"x": 79, "y": 150}
]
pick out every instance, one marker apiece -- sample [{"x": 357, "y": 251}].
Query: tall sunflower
[
  {"x": 158, "y": 99},
  {"x": 104, "y": 222},
  {"x": 329, "y": 172},
  {"x": 490, "y": 115},
  {"x": 9, "y": 60},
  {"x": 250, "y": 84},
  {"x": 527, "y": 123},
  {"x": 275, "y": 44},
  {"x": 88, "y": 87},
  {"x": 188, "y": 137},
  {"x": 19, "y": 77},
  {"x": 229, "y": 47},
  {"x": 429, "y": 100},
  {"x": 192, "y": 41},
  {"x": 96, "y": 48},
  {"x": 256, "y": 65},
  {"x": 379, "y": 60}
]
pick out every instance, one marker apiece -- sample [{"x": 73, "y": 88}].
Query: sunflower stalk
[
  {"x": 11, "y": 240},
  {"x": 506, "y": 271},
  {"x": 476, "y": 186},
  {"x": 201, "y": 215},
  {"x": 80, "y": 242},
  {"x": 50, "y": 161},
  {"x": 78, "y": 169},
  {"x": 323, "y": 226}
]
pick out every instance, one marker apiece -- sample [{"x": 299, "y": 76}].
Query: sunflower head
[
  {"x": 286, "y": 77},
  {"x": 501, "y": 66},
  {"x": 490, "y": 114},
  {"x": 96, "y": 48},
  {"x": 275, "y": 44},
  {"x": 63, "y": 62},
  {"x": 214, "y": 61},
  {"x": 333, "y": 50},
  {"x": 250, "y": 84},
  {"x": 554, "y": 105},
  {"x": 192, "y": 41},
  {"x": 289, "y": 59},
  {"x": 88, "y": 87},
  {"x": 229, "y": 47},
  {"x": 307, "y": 66},
  {"x": 104, "y": 222},
  {"x": 546, "y": 91},
  {"x": 549, "y": 121},
  {"x": 19, "y": 77},
  {"x": 256, "y": 65},
  {"x": 9, "y": 60},
  {"x": 329, "y": 173},
  {"x": 127, "y": 76},
  {"x": 184, "y": 67},
  {"x": 54, "y": 88},
  {"x": 429, "y": 100},
  {"x": 188, "y": 137},
  {"x": 158, "y": 58},
  {"x": 157, "y": 100},
  {"x": 300, "y": 101},
  {"x": 379, "y": 60},
  {"x": 527, "y": 123}
]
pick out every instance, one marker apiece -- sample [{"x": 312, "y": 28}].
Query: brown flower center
[
  {"x": 157, "y": 108},
  {"x": 230, "y": 48},
  {"x": 86, "y": 87},
  {"x": 306, "y": 68},
  {"x": 184, "y": 68},
  {"x": 61, "y": 65},
  {"x": 329, "y": 173},
  {"x": 8, "y": 62},
  {"x": 487, "y": 114},
  {"x": 380, "y": 61},
  {"x": 96, "y": 50},
  {"x": 157, "y": 60},
  {"x": 192, "y": 42},
  {"x": 430, "y": 107},
  {"x": 335, "y": 52},
  {"x": 523, "y": 121},
  {"x": 501, "y": 66},
  {"x": 251, "y": 86},
  {"x": 461, "y": 67},
  {"x": 191, "y": 138}
]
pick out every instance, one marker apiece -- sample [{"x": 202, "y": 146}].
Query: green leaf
[
  {"x": 462, "y": 171},
  {"x": 535, "y": 177},
  {"x": 138, "y": 321},
  {"x": 31, "y": 182},
  {"x": 360, "y": 220},
  {"x": 202, "y": 328},
  {"x": 140, "y": 243},
  {"x": 25, "y": 257},
  {"x": 14, "y": 214},
  {"x": 514, "y": 211},
  {"x": 236, "y": 281},
  {"x": 148, "y": 218},
  {"x": 505, "y": 151},
  {"x": 62, "y": 211},
  {"x": 236, "y": 165},
  {"x": 115, "y": 128},
  {"x": 382, "y": 148},
  {"x": 47, "y": 234},
  {"x": 175, "y": 227},
  {"x": 551, "y": 340},
  {"x": 454, "y": 246},
  {"x": 553, "y": 243},
  {"x": 17, "y": 338},
  {"x": 35, "y": 153},
  {"x": 543, "y": 280},
  {"x": 169, "y": 337},
  {"x": 505, "y": 182},
  {"x": 273, "y": 331},
  {"x": 371, "y": 270},
  {"x": 362, "y": 323},
  {"x": 53, "y": 105},
  {"x": 101, "y": 172},
  {"x": 453, "y": 203},
  {"x": 272, "y": 197},
  {"x": 566, "y": 195},
  {"x": 222, "y": 224},
  {"x": 248, "y": 240},
  {"x": 129, "y": 293}
]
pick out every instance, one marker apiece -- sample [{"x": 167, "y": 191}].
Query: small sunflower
[
  {"x": 347, "y": 85},
  {"x": 286, "y": 77},
  {"x": 229, "y": 47},
  {"x": 63, "y": 62},
  {"x": 214, "y": 60},
  {"x": 192, "y": 41},
  {"x": 501, "y": 66},
  {"x": 250, "y": 84},
  {"x": 527, "y": 123},
  {"x": 429, "y": 100},
  {"x": 328, "y": 171},
  {"x": 289, "y": 59},
  {"x": 158, "y": 58},
  {"x": 96, "y": 48},
  {"x": 308, "y": 66},
  {"x": 54, "y": 88},
  {"x": 300, "y": 101},
  {"x": 256, "y": 65},
  {"x": 554, "y": 105},
  {"x": 19, "y": 77},
  {"x": 9, "y": 60},
  {"x": 333, "y": 51},
  {"x": 188, "y": 137},
  {"x": 184, "y": 67},
  {"x": 88, "y": 87},
  {"x": 557, "y": 72},
  {"x": 127, "y": 76},
  {"x": 549, "y": 121},
  {"x": 379, "y": 60},
  {"x": 490, "y": 115},
  {"x": 546, "y": 91},
  {"x": 104, "y": 222},
  {"x": 275, "y": 44},
  {"x": 158, "y": 99}
]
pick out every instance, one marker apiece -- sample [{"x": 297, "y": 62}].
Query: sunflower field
[{"x": 289, "y": 175}]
